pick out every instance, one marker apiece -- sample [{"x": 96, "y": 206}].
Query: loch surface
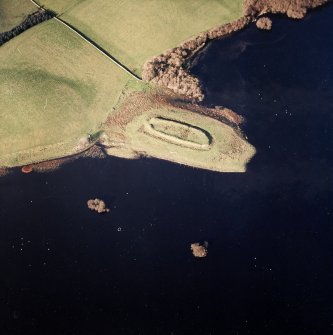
[{"x": 269, "y": 270}]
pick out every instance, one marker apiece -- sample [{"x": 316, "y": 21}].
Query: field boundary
[{"x": 92, "y": 43}]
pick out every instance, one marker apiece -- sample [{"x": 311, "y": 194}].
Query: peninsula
[{"x": 76, "y": 73}]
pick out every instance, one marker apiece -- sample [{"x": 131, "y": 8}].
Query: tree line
[{"x": 31, "y": 20}]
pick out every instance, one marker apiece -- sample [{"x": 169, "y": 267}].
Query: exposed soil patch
[{"x": 27, "y": 169}]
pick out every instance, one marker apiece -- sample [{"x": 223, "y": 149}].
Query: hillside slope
[{"x": 55, "y": 89}]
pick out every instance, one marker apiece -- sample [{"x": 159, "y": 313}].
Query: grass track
[{"x": 54, "y": 88}]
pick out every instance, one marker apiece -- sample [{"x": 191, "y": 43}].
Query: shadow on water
[{"x": 67, "y": 270}]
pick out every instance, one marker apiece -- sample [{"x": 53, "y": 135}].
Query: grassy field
[
  {"x": 228, "y": 152},
  {"x": 135, "y": 31},
  {"x": 13, "y": 12},
  {"x": 55, "y": 89},
  {"x": 59, "y": 6}
]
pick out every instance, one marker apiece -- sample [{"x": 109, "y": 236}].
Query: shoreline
[
  {"x": 126, "y": 135},
  {"x": 27, "y": 160},
  {"x": 169, "y": 69},
  {"x": 49, "y": 165}
]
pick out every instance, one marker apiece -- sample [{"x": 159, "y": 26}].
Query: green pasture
[
  {"x": 13, "y": 12},
  {"x": 55, "y": 89},
  {"x": 59, "y": 6},
  {"x": 135, "y": 31}
]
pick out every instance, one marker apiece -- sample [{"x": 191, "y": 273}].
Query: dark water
[{"x": 66, "y": 270}]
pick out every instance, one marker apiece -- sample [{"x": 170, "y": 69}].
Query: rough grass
[
  {"x": 135, "y": 31},
  {"x": 206, "y": 143},
  {"x": 55, "y": 88},
  {"x": 59, "y": 6},
  {"x": 228, "y": 152},
  {"x": 13, "y": 12}
]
